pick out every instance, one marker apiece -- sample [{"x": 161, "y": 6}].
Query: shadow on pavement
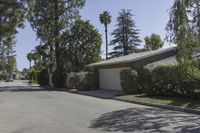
[
  {"x": 147, "y": 120},
  {"x": 104, "y": 94},
  {"x": 26, "y": 89}
]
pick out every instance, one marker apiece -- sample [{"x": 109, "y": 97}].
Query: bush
[
  {"x": 145, "y": 80},
  {"x": 175, "y": 80},
  {"x": 164, "y": 80},
  {"x": 3, "y": 76},
  {"x": 130, "y": 81},
  {"x": 86, "y": 81},
  {"x": 43, "y": 77},
  {"x": 59, "y": 78},
  {"x": 33, "y": 82}
]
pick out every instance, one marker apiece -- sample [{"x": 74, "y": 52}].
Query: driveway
[{"x": 40, "y": 111}]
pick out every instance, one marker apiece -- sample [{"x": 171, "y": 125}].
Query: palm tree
[
  {"x": 105, "y": 18},
  {"x": 29, "y": 57}
]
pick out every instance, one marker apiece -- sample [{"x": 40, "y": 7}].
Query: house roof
[
  {"x": 132, "y": 57},
  {"x": 168, "y": 60}
]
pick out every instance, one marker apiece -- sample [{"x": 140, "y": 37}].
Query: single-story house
[{"x": 109, "y": 70}]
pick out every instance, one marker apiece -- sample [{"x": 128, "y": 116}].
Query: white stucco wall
[{"x": 110, "y": 78}]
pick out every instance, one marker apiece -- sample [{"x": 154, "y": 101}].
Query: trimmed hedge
[
  {"x": 86, "y": 81},
  {"x": 130, "y": 81},
  {"x": 165, "y": 80},
  {"x": 43, "y": 77},
  {"x": 59, "y": 78},
  {"x": 175, "y": 80}
]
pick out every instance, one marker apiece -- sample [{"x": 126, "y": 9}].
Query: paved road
[{"x": 37, "y": 111}]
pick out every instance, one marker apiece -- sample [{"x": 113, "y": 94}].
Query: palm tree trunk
[
  {"x": 106, "y": 33},
  {"x": 30, "y": 64}
]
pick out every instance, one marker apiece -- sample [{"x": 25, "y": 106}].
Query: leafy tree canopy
[
  {"x": 153, "y": 42},
  {"x": 184, "y": 27},
  {"x": 81, "y": 46}
]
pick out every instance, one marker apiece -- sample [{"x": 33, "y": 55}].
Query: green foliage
[
  {"x": 3, "y": 76},
  {"x": 105, "y": 18},
  {"x": 130, "y": 81},
  {"x": 11, "y": 64},
  {"x": 12, "y": 16},
  {"x": 32, "y": 74},
  {"x": 153, "y": 42},
  {"x": 59, "y": 78},
  {"x": 43, "y": 77},
  {"x": 86, "y": 81},
  {"x": 60, "y": 15},
  {"x": 164, "y": 80},
  {"x": 81, "y": 47},
  {"x": 126, "y": 37},
  {"x": 145, "y": 79},
  {"x": 184, "y": 27},
  {"x": 175, "y": 80},
  {"x": 33, "y": 82}
]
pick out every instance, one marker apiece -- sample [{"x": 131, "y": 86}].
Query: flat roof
[{"x": 132, "y": 57}]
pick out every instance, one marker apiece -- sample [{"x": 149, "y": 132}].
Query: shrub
[
  {"x": 43, "y": 77},
  {"x": 86, "y": 81},
  {"x": 33, "y": 82},
  {"x": 59, "y": 78},
  {"x": 4, "y": 76},
  {"x": 175, "y": 80},
  {"x": 130, "y": 82},
  {"x": 145, "y": 80},
  {"x": 164, "y": 80}
]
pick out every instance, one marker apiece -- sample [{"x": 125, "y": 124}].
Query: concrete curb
[{"x": 169, "y": 107}]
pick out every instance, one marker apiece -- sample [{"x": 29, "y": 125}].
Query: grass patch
[
  {"x": 32, "y": 82},
  {"x": 181, "y": 102}
]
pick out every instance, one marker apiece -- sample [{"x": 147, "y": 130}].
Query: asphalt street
[{"x": 27, "y": 109}]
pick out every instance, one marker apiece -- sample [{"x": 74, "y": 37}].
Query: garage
[
  {"x": 109, "y": 70},
  {"x": 110, "y": 78}
]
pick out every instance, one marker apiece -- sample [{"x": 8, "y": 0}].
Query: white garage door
[{"x": 110, "y": 78}]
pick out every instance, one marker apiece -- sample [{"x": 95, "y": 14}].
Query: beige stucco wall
[{"x": 110, "y": 78}]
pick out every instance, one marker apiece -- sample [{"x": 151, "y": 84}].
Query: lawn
[{"x": 181, "y": 102}]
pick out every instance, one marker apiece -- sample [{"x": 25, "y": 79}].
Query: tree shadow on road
[
  {"x": 147, "y": 120},
  {"x": 27, "y": 89}
]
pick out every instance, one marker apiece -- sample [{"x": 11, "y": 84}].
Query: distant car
[{"x": 9, "y": 79}]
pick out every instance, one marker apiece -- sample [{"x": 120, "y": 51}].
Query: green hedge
[
  {"x": 43, "y": 77},
  {"x": 175, "y": 80},
  {"x": 59, "y": 78},
  {"x": 86, "y": 81},
  {"x": 165, "y": 80},
  {"x": 130, "y": 81},
  {"x": 3, "y": 76}
]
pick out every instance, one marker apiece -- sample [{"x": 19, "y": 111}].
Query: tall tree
[
  {"x": 81, "y": 46},
  {"x": 29, "y": 57},
  {"x": 105, "y": 19},
  {"x": 153, "y": 42},
  {"x": 184, "y": 27},
  {"x": 126, "y": 36},
  {"x": 11, "y": 64},
  {"x": 12, "y": 15},
  {"x": 51, "y": 18}
]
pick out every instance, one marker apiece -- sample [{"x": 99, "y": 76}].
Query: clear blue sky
[{"x": 151, "y": 16}]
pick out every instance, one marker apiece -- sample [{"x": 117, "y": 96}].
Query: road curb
[{"x": 169, "y": 107}]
